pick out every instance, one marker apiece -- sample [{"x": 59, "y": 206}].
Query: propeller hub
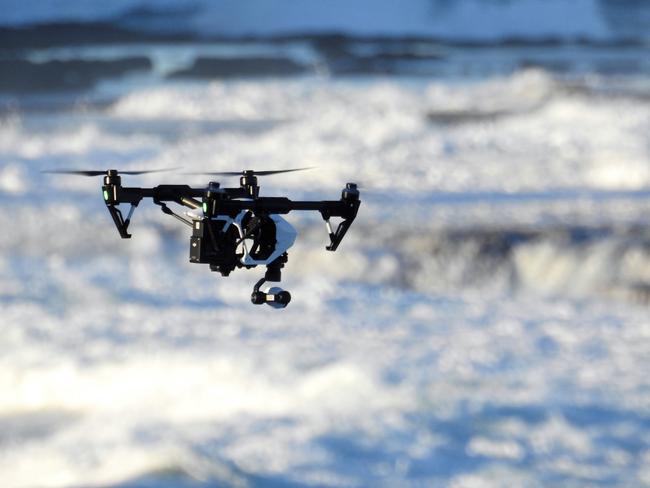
[
  {"x": 112, "y": 178},
  {"x": 249, "y": 181},
  {"x": 350, "y": 192}
]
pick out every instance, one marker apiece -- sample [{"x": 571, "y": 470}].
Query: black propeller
[
  {"x": 91, "y": 172},
  {"x": 250, "y": 172}
]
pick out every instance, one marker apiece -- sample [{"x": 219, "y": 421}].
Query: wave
[
  {"x": 584, "y": 262},
  {"x": 568, "y": 261}
]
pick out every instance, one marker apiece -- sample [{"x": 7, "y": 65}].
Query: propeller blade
[
  {"x": 143, "y": 172},
  {"x": 76, "y": 172},
  {"x": 219, "y": 173},
  {"x": 278, "y": 171},
  {"x": 255, "y": 173},
  {"x": 91, "y": 172}
]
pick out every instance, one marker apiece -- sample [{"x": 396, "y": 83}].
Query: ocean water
[
  {"x": 484, "y": 323},
  {"x": 482, "y": 20}
]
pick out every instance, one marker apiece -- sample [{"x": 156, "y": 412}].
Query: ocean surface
[{"x": 485, "y": 322}]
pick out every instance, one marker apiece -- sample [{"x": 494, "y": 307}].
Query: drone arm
[
  {"x": 111, "y": 199},
  {"x": 178, "y": 194},
  {"x": 116, "y": 194},
  {"x": 168, "y": 211},
  {"x": 337, "y": 237},
  {"x": 345, "y": 208},
  {"x": 181, "y": 194}
]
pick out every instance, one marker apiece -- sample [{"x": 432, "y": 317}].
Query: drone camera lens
[
  {"x": 284, "y": 297},
  {"x": 258, "y": 298}
]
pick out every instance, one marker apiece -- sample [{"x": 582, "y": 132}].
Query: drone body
[{"x": 233, "y": 227}]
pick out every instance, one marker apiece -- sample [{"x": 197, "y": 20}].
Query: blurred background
[{"x": 485, "y": 323}]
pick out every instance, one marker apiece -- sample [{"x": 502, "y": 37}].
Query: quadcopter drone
[{"x": 231, "y": 227}]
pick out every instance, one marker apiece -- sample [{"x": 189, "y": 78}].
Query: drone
[{"x": 231, "y": 227}]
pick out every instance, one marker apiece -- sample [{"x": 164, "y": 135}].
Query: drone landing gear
[
  {"x": 275, "y": 296},
  {"x": 121, "y": 223}
]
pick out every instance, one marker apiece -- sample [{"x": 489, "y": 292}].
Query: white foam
[
  {"x": 120, "y": 359},
  {"x": 566, "y": 140}
]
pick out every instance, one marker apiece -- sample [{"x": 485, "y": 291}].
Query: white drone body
[{"x": 285, "y": 236}]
